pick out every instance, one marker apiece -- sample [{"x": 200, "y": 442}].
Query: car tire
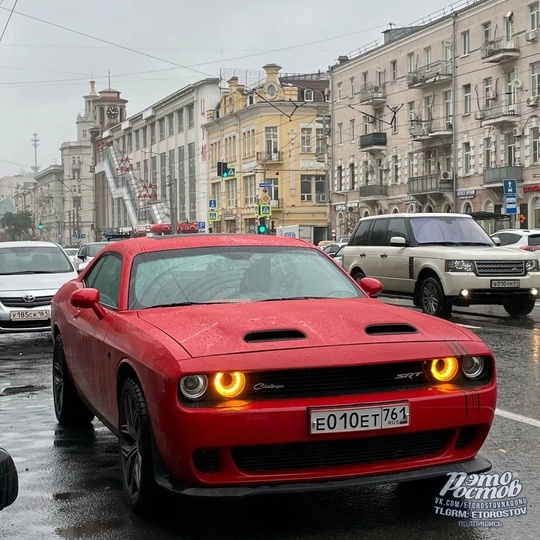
[
  {"x": 69, "y": 409},
  {"x": 9, "y": 480},
  {"x": 134, "y": 437},
  {"x": 432, "y": 299},
  {"x": 519, "y": 307},
  {"x": 358, "y": 275}
]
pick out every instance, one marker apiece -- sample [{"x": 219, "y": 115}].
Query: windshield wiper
[
  {"x": 295, "y": 298},
  {"x": 28, "y": 272},
  {"x": 181, "y": 304}
]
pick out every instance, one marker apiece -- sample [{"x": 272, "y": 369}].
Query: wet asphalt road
[{"x": 70, "y": 483}]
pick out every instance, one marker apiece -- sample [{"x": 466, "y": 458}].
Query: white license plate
[
  {"x": 358, "y": 418},
  {"x": 505, "y": 283},
  {"x": 33, "y": 315}
]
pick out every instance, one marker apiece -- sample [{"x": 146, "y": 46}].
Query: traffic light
[
  {"x": 222, "y": 169},
  {"x": 262, "y": 228},
  {"x": 41, "y": 226}
]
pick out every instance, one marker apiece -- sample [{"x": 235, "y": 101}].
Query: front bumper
[
  {"x": 477, "y": 465},
  {"x": 30, "y": 324}
]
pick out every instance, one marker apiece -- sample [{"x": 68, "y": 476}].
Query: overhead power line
[{"x": 11, "y": 11}]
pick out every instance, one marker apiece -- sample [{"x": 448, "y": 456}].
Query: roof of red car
[{"x": 179, "y": 241}]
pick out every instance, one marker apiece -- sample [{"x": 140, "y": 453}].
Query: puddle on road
[
  {"x": 88, "y": 529},
  {"x": 13, "y": 390},
  {"x": 67, "y": 496}
]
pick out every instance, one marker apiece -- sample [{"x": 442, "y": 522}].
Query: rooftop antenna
[
  {"x": 109, "y": 79},
  {"x": 35, "y": 144}
]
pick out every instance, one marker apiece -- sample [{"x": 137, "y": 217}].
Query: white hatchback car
[
  {"x": 526, "y": 239},
  {"x": 30, "y": 275}
]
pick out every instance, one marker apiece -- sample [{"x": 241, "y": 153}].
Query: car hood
[
  {"x": 35, "y": 282},
  {"x": 209, "y": 330},
  {"x": 471, "y": 252}
]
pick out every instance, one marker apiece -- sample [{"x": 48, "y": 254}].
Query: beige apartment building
[
  {"x": 270, "y": 135},
  {"x": 435, "y": 118}
]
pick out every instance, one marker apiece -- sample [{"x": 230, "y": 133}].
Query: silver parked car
[
  {"x": 86, "y": 253},
  {"x": 30, "y": 275}
]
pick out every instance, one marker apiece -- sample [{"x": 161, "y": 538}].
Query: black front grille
[
  {"x": 466, "y": 436},
  {"x": 321, "y": 454},
  {"x": 8, "y": 325},
  {"x": 511, "y": 267},
  {"x": 206, "y": 460},
  {"x": 39, "y": 301}
]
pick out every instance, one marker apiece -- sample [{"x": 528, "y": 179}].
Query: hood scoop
[
  {"x": 273, "y": 335},
  {"x": 389, "y": 329}
]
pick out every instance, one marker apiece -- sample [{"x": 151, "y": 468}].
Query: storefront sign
[
  {"x": 530, "y": 189},
  {"x": 340, "y": 208},
  {"x": 466, "y": 193}
]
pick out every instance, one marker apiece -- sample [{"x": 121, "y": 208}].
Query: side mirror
[
  {"x": 10, "y": 480},
  {"x": 398, "y": 241},
  {"x": 371, "y": 286},
  {"x": 88, "y": 299},
  {"x": 496, "y": 241}
]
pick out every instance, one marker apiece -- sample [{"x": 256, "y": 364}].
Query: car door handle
[
  {"x": 384, "y": 255},
  {"x": 362, "y": 254}
]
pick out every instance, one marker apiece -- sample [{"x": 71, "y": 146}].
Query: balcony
[
  {"x": 431, "y": 75},
  {"x": 500, "y": 50},
  {"x": 373, "y": 94},
  {"x": 496, "y": 175},
  {"x": 374, "y": 191},
  {"x": 499, "y": 115},
  {"x": 373, "y": 142},
  {"x": 431, "y": 129},
  {"x": 431, "y": 183},
  {"x": 269, "y": 156}
]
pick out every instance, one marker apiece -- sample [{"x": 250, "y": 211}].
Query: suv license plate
[
  {"x": 34, "y": 315},
  {"x": 505, "y": 283},
  {"x": 358, "y": 418}
]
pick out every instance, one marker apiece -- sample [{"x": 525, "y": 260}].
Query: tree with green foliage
[{"x": 19, "y": 226}]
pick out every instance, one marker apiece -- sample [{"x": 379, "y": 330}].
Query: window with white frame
[
  {"x": 487, "y": 152},
  {"x": 411, "y": 111},
  {"x": 466, "y": 157},
  {"x": 486, "y": 32},
  {"x": 410, "y": 63},
  {"x": 510, "y": 149},
  {"x": 250, "y": 194},
  {"x": 379, "y": 113},
  {"x": 161, "y": 129},
  {"x": 365, "y": 127},
  {"x": 271, "y": 145},
  {"x": 353, "y": 90},
  {"x": 339, "y": 178},
  {"x": 535, "y": 143},
  {"x": 488, "y": 92},
  {"x": 395, "y": 122},
  {"x": 320, "y": 188},
  {"x": 410, "y": 165},
  {"x": 170, "y": 121},
  {"x": 380, "y": 77},
  {"x": 535, "y": 79},
  {"x": 352, "y": 130},
  {"x": 465, "y": 43},
  {"x": 427, "y": 57},
  {"x": 447, "y": 97},
  {"x": 447, "y": 159},
  {"x": 339, "y": 91},
  {"x": 216, "y": 193},
  {"x": 231, "y": 187},
  {"x": 365, "y": 169},
  {"x": 306, "y": 188},
  {"x": 305, "y": 137},
  {"x": 365, "y": 82},
  {"x": 508, "y": 28},
  {"x": 534, "y": 16},
  {"x": 395, "y": 169},
  {"x": 320, "y": 140},
  {"x": 393, "y": 69},
  {"x": 340, "y": 133},
  {"x": 467, "y": 99},
  {"x": 352, "y": 176},
  {"x": 308, "y": 94},
  {"x": 180, "y": 120}
]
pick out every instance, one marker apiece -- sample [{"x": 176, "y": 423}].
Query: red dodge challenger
[{"x": 232, "y": 365}]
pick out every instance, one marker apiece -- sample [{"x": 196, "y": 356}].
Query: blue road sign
[
  {"x": 510, "y": 187},
  {"x": 212, "y": 216},
  {"x": 266, "y": 210},
  {"x": 202, "y": 225},
  {"x": 266, "y": 184},
  {"x": 510, "y": 204},
  {"x": 212, "y": 203}
]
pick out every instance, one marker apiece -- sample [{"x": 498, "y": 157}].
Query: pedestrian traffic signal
[{"x": 41, "y": 226}]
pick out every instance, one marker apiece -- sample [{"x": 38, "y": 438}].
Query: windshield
[
  {"x": 33, "y": 260},
  {"x": 235, "y": 274},
  {"x": 449, "y": 231},
  {"x": 94, "y": 249}
]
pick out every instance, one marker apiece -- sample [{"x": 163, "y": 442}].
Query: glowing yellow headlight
[
  {"x": 444, "y": 369},
  {"x": 229, "y": 385}
]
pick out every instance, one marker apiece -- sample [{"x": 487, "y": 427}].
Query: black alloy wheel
[{"x": 432, "y": 298}]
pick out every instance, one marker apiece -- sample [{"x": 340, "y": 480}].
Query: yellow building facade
[{"x": 272, "y": 138}]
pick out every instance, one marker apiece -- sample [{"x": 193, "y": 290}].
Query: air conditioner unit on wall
[
  {"x": 532, "y": 101},
  {"x": 516, "y": 132},
  {"x": 446, "y": 175},
  {"x": 479, "y": 115},
  {"x": 370, "y": 119},
  {"x": 491, "y": 94},
  {"x": 532, "y": 35}
]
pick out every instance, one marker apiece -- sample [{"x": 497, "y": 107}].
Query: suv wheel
[
  {"x": 519, "y": 307},
  {"x": 358, "y": 275},
  {"x": 432, "y": 298}
]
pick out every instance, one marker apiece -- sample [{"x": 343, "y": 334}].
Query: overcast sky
[{"x": 44, "y": 69}]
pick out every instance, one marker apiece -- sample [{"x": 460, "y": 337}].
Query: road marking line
[
  {"x": 518, "y": 417},
  {"x": 470, "y": 326}
]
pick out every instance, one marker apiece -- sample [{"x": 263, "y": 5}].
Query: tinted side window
[
  {"x": 360, "y": 235},
  {"x": 508, "y": 239},
  {"x": 397, "y": 227},
  {"x": 379, "y": 232},
  {"x": 105, "y": 277},
  {"x": 534, "y": 240}
]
